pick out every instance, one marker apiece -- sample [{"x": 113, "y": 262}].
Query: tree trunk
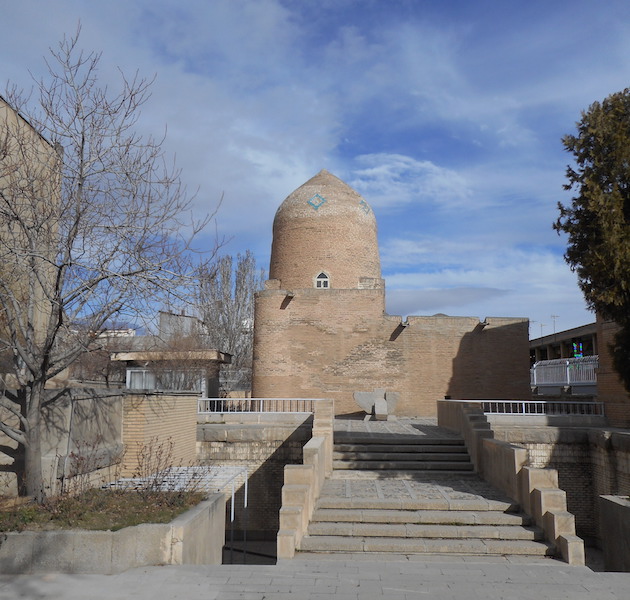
[{"x": 32, "y": 448}]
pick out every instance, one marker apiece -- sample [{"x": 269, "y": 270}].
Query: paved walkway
[
  {"x": 402, "y": 426},
  {"x": 338, "y": 577},
  {"x": 345, "y": 576}
]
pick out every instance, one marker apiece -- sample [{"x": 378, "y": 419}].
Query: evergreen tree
[{"x": 597, "y": 221}]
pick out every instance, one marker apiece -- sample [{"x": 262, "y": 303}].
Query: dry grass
[{"x": 97, "y": 509}]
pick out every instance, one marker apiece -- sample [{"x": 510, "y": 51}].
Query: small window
[{"x": 322, "y": 281}]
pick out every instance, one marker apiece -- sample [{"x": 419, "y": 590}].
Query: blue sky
[{"x": 447, "y": 116}]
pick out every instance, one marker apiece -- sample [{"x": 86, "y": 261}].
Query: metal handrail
[
  {"x": 542, "y": 407},
  {"x": 255, "y": 405},
  {"x": 565, "y": 371}
]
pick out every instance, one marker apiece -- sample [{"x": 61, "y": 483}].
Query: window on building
[
  {"x": 165, "y": 379},
  {"x": 322, "y": 281},
  {"x": 140, "y": 379}
]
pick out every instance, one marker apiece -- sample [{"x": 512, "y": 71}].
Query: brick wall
[
  {"x": 151, "y": 421},
  {"x": 610, "y": 390},
  {"x": 331, "y": 343}
]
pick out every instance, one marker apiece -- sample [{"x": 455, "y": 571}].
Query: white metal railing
[
  {"x": 542, "y": 407},
  {"x": 565, "y": 371},
  {"x": 255, "y": 405}
]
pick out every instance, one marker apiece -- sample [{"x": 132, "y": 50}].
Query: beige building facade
[{"x": 321, "y": 329}]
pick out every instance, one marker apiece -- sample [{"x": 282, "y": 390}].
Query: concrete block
[
  {"x": 92, "y": 552},
  {"x": 291, "y": 517},
  {"x": 530, "y": 478},
  {"x": 366, "y": 400},
  {"x": 153, "y": 544},
  {"x": 380, "y": 409},
  {"x": 299, "y": 474},
  {"x": 295, "y": 495},
  {"x": 16, "y": 552},
  {"x": 571, "y": 549},
  {"x": 392, "y": 399},
  {"x": 545, "y": 500},
  {"x": 123, "y": 548},
  {"x": 557, "y": 523},
  {"x": 53, "y": 552},
  {"x": 285, "y": 543},
  {"x": 614, "y": 525}
]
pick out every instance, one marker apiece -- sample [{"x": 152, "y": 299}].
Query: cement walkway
[
  {"x": 345, "y": 576},
  {"x": 338, "y": 577}
]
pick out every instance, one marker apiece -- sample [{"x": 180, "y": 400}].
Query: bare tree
[
  {"x": 94, "y": 227},
  {"x": 226, "y": 306}
]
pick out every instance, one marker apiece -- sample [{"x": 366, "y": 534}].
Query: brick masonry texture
[
  {"x": 151, "y": 421},
  {"x": 610, "y": 390},
  {"x": 330, "y": 343}
]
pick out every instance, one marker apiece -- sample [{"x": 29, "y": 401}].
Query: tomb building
[{"x": 321, "y": 330}]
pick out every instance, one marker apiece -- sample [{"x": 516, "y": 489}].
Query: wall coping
[{"x": 110, "y": 552}]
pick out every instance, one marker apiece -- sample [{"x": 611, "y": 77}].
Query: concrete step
[
  {"x": 395, "y": 448},
  {"x": 345, "y": 437},
  {"x": 400, "y": 456},
  {"x": 471, "y": 505},
  {"x": 423, "y": 517},
  {"x": 375, "y": 465},
  {"x": 441, "y": 531},
  {"x": 400, "y": 474},
  {"x": 338, "y": 543}
]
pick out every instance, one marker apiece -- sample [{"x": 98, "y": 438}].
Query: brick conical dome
[{"x": 324, "y": 232}]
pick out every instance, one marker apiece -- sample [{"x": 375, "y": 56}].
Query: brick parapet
[{"x": 332, "y": 343}]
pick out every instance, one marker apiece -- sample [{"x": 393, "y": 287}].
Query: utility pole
[{"x": 554, "y": 317}]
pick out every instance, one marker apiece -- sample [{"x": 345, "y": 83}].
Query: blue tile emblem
[{"x": 316, "y": 201}]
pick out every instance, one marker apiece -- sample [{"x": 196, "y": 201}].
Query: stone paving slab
[
  {"x": 427, "y": 428},
  {"x": 338, "y": 577},
  {"x": 448, "y": 490}
]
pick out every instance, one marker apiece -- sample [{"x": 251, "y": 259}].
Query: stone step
[
  {"x": 374, "y": 465},
  {"x": 469, "y": 504},
  {"x": 337, "y": 543},
  {"x": 400, "y": 474},
  {"x": 394, "y": 448},
  {"x": 400, "y": 456},
  {"x": 394, "y": 440},
  {"x": 423, "y": 517},
  {"x": 441, "y": 531}
]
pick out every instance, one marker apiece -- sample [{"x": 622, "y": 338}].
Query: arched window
[{"x": 322, "y": 281}]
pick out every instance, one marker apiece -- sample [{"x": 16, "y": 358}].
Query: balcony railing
[
  {"x": 565, "y": 371},
  {"x": 255, "y": 405},
  {"x": 542, "y": 407}
]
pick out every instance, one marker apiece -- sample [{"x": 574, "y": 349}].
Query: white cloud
[
  {"x": 447, "y": 120},
  {"x": 392, "y": 180}
]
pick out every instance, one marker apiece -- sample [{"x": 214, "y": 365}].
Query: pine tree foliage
[{"x": 597, "y": 221}]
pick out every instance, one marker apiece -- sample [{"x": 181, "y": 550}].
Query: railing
[
  {"x": 565, "y": 371},
  {"x": 255, "y": 405},
  {"x": 541, "y": 407}
]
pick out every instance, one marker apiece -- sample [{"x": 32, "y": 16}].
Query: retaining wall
[
  {"x": 264, "y": 444},
  {"x": 196, "y": 537}
]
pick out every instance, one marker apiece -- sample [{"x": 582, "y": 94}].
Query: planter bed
[{"x": 195, "y": 537}]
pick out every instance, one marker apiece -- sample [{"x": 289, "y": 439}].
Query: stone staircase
[
  {"x": 408, "y": 453},
  {"x": 413, "y": 496}
]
